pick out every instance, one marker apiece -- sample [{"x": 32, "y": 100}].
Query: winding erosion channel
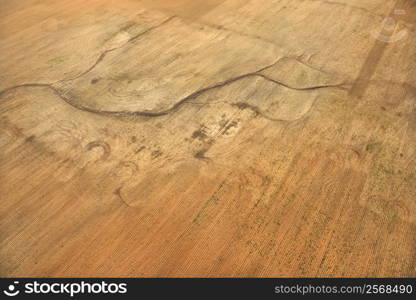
[{"x": 208, "y": 138}]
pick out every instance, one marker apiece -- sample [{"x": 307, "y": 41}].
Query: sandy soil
[{"x": 208, "y": 138}]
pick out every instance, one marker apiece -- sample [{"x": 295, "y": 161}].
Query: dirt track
[{"x": 208, "y": 138}]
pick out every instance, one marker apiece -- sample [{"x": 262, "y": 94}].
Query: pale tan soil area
[{"x": 208, "y": 138}]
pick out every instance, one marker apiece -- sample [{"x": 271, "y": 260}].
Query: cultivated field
[{"x": 208, "y": 138}]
